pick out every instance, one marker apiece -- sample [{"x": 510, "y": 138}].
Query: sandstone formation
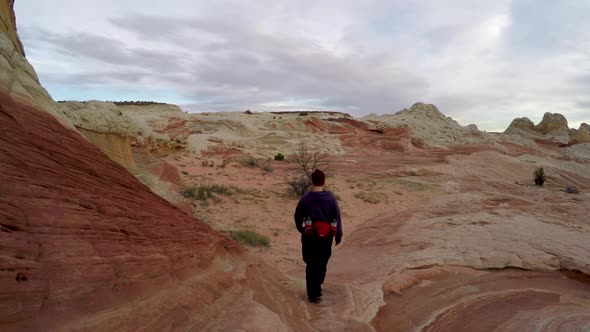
[
  {"x": 553, "y": 127},
  {"x": 429, "y": 125},
  {"x": 8, "y": 26},
  {"x": 553, "y": 123},
  {"x": 579, "y": 151},
  {"x": 520, "y": 124},
  {"x": 582, "y": 134},
  {"x": 17, "y": 76}
]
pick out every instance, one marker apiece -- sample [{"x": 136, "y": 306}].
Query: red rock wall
[{"x": 79, "y": 234}]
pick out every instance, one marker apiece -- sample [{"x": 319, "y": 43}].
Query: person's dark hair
[{"x": 318, "y": 178}]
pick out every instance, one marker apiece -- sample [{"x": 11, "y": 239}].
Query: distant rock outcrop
[
  {"x": 431, "y": 126},
  {"x": 520, "y": 124},
  {"x": 99, "y": 117},
  {"x": 554, "y": 124},
  {"x": 553, "y": 127},
  {"x": 582, "y": 134},
  {"x": 115, "y": 129}
]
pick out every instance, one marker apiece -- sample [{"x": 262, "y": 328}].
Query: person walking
[{"x": 317, "y": 218}]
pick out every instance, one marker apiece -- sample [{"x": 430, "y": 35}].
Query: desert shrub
[
  {"x": 250, "y": 238},
  {"x": 224, "y": 190},
  {"x": 308, "y": 161},
  {"x": 266, "y": 169},
  {"x": 571, "y": 190},
  {"x": 248, "y": 162},
  {"x": 299, "y": 185},
  {"x": 539, "y": 176},
  {"x": 303, "y": 114},
  {"x": 203, "y": 193},
  {"x": 279, "y": 156},
  {"x": 248, "y": 112},
  {"x": 188, "y": 192}
]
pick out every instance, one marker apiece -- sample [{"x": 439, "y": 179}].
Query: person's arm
[
  {"x": 298, "y": 217},
  {"x": 339, "y": 222}
]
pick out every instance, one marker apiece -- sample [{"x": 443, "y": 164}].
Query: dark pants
[{"x": 316, "y": 253}]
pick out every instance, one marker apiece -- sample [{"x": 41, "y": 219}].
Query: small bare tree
[{"x": 307, "y": 161}]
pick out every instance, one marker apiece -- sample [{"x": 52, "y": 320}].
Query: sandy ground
[{"x": 471, "y": 206}]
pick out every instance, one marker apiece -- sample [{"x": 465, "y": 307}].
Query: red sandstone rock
[{"x": 79, "y": 234}]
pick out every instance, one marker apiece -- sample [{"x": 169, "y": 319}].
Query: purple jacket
[{"x": 319, "y": 206}]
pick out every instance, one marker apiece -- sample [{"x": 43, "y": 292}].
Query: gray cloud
[
  {"x": 239, "y": 58},
  {"x": 584, "y": 105}
]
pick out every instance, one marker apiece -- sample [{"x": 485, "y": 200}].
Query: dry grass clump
[
  {"x": 250, "y": 238},
  {"x": 205, "y": 192},
  {"x": 372, "y": 197},
  {"x": 243, "y": 161},
  {"x": 249, "y": 162},
  {"x": 267, "y": 169}
]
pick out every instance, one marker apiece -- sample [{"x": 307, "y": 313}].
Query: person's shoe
[{"x": 315, "y": 299}]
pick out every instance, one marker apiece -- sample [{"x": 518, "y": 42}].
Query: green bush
[
  {"x": 539, "y": 176},
  {"x": 303, "y": 114},
  {"x": 250, "y": 238},
  {"x": 279, "y": 156}
]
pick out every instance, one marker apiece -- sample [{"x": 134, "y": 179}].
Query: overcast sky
[{"x": 480, "y": 61}]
